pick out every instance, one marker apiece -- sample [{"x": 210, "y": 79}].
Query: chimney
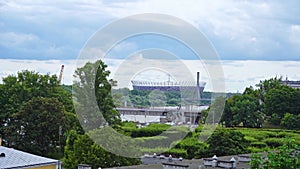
[{"x": 198, "y": 77}]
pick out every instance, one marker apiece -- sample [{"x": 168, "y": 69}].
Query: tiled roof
[{"x": 19, "y": 159}]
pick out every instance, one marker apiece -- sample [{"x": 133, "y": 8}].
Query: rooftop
[{"x": 11, "y": 158}]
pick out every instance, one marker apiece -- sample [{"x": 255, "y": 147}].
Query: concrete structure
[
  {"x": 162, "y": 115},
  {"x": 84, "y": 166},
  {"x": 244, "y": 158},
  {"x": 157, "y": 163},
  {"x": 174, "y": 166},
  {"x": 13, "y": 159},
  {"x": 215, "y": 162}
]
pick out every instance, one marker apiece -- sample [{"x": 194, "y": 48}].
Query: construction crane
[{"x": 61, "y": 73}]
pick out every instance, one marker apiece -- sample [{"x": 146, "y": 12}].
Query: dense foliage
[
  {"x": 39, "y": 116},
  {"x": 286, "y": 156},
  {"x": 227, "y": 142},
  {"x": 271, "y": 101},
  {"x": 91, "y": 85},
  {"x": 30, "y": 102},
  {"x": 80, "y": 149}
]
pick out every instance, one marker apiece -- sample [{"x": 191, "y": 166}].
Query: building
[
  {"x": 169, "y": 85},
  {"x": 13, "y": 159},
  {"x": 291, "y": 83}
]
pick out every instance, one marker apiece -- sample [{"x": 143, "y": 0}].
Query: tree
[
  {"x": 227, "y": 142},
  {"x": 266, "y": 85},
  {"x": 243, "y": 109},
  {"x": 80, "y": 149},
  {"x": 291, "y": 121},
  {"x": 214, "y": 113},
  {"x": 19, "y": 89},
  {"x": 227, "y": 116},
  {"x": 93, "y": 88},
  {"x": 35, "y": 128},
  {"x": 246, "y": 110},
  {"x": 281, "y": 100}
]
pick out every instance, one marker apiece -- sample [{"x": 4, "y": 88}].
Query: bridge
[{"x": 168, "y": 114}]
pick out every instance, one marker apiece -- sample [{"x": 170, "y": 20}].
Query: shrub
[
  {"x": 176, "y": 153},
  {"x": 191, "y": 145},
  {"x": 227, "y": 142},
  {"x": 258, "y": 144},
  {"x": 251, "y": 139},
  {"x": 273, "y": 142},
  {"x": 153, "y": 142},
  {"x": 291, "y": 121},
  {"x": 254, "y": 149},
  {"x": 285, "y": 156},
  {"x": 153, "y": 129}
]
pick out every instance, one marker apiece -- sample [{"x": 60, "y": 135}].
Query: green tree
[
  {"x": 243, "y": 109},
  {"x": 80, "y": 149},
  {"x": 291, "y": 121},
  {"x": 19, "y": 89},
  {"x": 281, "y": 100},
  {"x": 35, "y": 128},
  {"x": 93, "y": 86},
  {"x": 227, "y": 116},
  {"x": 139, "y": 98},
  {"x": 266, "y": 85},
  {"x": 246, "y": 110},
  {"x": 227, "y": 142},
  {"x": 215, "y": 111}
]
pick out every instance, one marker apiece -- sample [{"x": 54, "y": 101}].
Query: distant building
[
  {"x": 15, "y": 159},
  {"x": 291, "y": 83}
]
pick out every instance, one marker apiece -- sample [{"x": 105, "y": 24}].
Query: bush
[
  {"x": 258, "y": 144},
  {"x": 192, "y": 145},
  {"x": 227, "y": 142},
  {"x": 176, "y": 153},
  {"x": 273, "y": 142},
  {"x": 291, "y": 121},
  {"x": 251, "y": 139},
  {"x": 153, "y": 142},
  {"x": 151, "y": 130},
  {"x": 256, "y": 150},
  {"x": 285, "y": 156}
]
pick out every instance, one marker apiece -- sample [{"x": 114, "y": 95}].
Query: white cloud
[{"x": 12, "y": 39}]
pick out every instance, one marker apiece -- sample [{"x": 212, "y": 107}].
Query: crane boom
[{"x": 61, "y": 73}]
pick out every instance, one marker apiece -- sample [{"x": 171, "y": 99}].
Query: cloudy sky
[{"x": 254, "y": 39}]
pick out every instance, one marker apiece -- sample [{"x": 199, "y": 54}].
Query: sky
[{"x": 254, "y": 40}]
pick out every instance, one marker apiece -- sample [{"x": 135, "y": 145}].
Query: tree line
[{"x": 271, "y": 101}]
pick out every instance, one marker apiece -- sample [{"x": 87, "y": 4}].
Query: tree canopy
[
  {"x": 227, "y": 142},
  {"x": 91, "y": 88},
  {"x": 19, "y": 93},
  {"x": 37, "y": 126},
  {"x": 270, "y": 101}
]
